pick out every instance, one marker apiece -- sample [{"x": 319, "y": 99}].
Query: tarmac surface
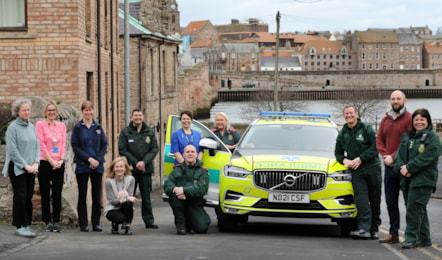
[{"x": 11, "y": 243}]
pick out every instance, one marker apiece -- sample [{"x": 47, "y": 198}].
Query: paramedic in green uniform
[
  {"x": 186, "y": 186},
  {"x": 227, "y": 134},
  {"x": 356, "y": 150},
  {"x": 416, "y": 161}
]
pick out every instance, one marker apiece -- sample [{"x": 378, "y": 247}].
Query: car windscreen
[{"x": 290, "y": 137}]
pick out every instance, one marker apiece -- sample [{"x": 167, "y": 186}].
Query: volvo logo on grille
[{"x": 290, "y": 180}]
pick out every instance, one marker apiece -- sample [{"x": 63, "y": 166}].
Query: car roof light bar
[{"x": 295, "y": 114}]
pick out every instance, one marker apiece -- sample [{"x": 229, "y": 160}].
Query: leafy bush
[{"x": 5, "y": 119}]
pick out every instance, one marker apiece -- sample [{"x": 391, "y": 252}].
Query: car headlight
[
  {"x": 236, "y": 172},
  {"x": 341, "y": 175}
]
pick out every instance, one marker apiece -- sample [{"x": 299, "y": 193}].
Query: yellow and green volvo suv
[{"x": 284, "y": 166}]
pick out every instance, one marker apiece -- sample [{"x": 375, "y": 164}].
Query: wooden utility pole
[{"x": 275, "y": 91}]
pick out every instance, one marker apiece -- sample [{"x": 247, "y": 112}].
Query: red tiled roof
[
  {"x": 201, "y": 44},
  {"x": 282, "y": 53},
  {"x": 322, "y": 46},
  {"x": 195, "y": 27},
  {"x": 433, "y": 47}
]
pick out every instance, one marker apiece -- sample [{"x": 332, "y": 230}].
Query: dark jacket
[
  {"x": 230, "y": 137},
  {"x": 420, "y": 152},
  {"x": 194, "y": 179},
  {"x": 359, "y": 141},
  {"x": 137, "y": 147},
  {"x": 79, "y": 147}
]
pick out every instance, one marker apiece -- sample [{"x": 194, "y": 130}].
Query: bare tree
[
  {"x": 263, "y": 101},
  {"x": 371, "y": 104}
]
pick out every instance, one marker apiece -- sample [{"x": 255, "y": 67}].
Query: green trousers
[
  {"x": 144, "y": 182},
  {"x": 367, "y": 187},
  {"x": 418, "y": 225},
  {"x": 190, "y": 214}
]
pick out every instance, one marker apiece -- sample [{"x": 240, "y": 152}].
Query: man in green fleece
[
  {"x": 186, "y": 186},
  {"x": 356, "y": 150},
  {"x": 138, "y": 144}
]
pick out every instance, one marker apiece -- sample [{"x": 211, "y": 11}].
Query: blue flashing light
[{"x": 272, "y": 113}]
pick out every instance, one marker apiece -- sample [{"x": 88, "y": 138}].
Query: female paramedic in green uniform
[
  {"x": 416, "y": 161},
  {"x": 186, "y": 186},
  {"x": 227, "y": 134}
]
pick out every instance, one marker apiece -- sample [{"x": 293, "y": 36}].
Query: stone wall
[{"x": 318, "y": 79}]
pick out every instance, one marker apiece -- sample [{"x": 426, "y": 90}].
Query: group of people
[
  {"x": 408, "y": 146},
  {"x": 189, "y": 181},
  {"x": 40, "y": 150},
  {"x": 410, "y": 151}
]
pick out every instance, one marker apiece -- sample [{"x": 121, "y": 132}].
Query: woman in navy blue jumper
[{"x": 90, "y": 145}]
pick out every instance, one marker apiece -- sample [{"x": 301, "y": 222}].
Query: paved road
[{"x": 261, "y": 238}]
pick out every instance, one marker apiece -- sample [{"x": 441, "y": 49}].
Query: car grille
[{"x": 289, "y": 180}]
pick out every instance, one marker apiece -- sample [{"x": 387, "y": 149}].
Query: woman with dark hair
[
  {"x": 21, "y": 165},
  {"x": 90, "y": 145},
  {"x": 416, "y": 161},
  {"x": 183, "y": 137},
  {"x": 52, "y": 137}
]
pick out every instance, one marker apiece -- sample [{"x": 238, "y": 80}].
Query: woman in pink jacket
[{"x": 52, "y": 138}]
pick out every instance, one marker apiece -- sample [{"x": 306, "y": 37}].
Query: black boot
[
  {"x": 115, "y": 229},
  {"x": 128, "y": 231}
]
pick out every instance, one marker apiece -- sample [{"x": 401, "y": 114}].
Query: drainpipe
[
  {"x": 112, "y": 133},
  {"x": 99, "y": 61},
  {"x": 160, "y": 110},
  {"x": 140, "y": 86}
]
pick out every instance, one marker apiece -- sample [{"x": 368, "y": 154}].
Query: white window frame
[{"x": 13, "y": 15}]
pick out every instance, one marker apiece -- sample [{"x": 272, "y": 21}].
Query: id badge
[{"x": 55, "y": 149}]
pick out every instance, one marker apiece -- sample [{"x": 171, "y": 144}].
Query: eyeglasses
[{"x": 51, "y": 110}]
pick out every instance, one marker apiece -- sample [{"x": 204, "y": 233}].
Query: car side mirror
[{"x": 207, "y": 143}]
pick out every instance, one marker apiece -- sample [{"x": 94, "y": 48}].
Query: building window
[
  {"x": 377, "y": 45},
  {"x": 363, "y": 66},
  {"x": 363, "y": 55},
  {"x": 13, "y": 15},
  {"x": 306, "y": 63},
  {"x": 401, "y": 49},
  {"x": 377, "y": 55},
  {"x": 370, "y": 66},
  {"x": 363, "y": 46}
]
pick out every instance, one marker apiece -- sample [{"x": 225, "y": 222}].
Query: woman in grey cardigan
[
  {"x": 119, "y": 193},
  {"x": 21, "y": 165}
]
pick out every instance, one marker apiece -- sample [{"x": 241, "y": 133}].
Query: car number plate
[{"x": 289, "y": 197}]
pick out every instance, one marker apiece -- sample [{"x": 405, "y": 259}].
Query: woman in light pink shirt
[{"x": 52, "y": 137}]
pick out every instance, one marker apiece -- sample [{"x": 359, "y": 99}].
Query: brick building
[
  {"x": 63, "y": 50},
  {"x": 323, "y": 54},
  {"x": 233, "y": 57}
]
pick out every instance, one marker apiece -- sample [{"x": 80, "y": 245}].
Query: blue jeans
[{"x": 392, "y": 188}]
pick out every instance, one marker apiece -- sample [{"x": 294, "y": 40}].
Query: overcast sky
[{"x": 317, "y": 15}]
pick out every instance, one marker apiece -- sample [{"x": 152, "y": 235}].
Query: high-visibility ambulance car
[{"x": 284, "y": 166}]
